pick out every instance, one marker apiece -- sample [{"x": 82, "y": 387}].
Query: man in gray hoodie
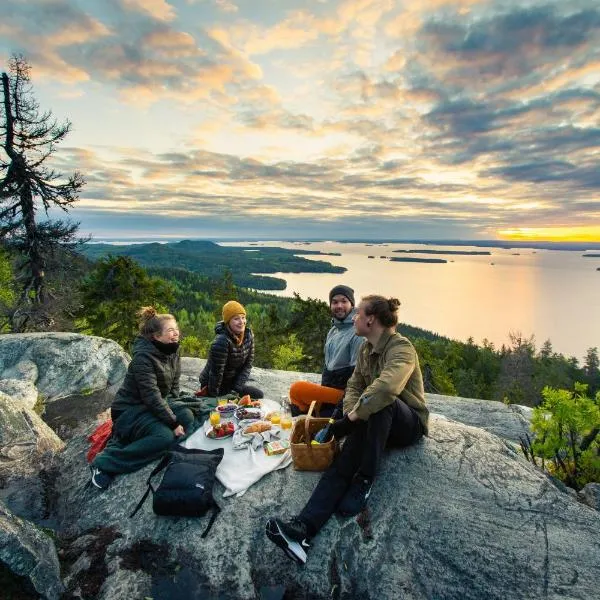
[{"x": 341, "y": 351}]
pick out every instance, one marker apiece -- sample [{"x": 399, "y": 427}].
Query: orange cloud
[
  {"x": 159, "y": 9},
  {"x": 558, "y": 233}
]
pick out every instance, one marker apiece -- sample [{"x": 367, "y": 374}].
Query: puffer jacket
[
  {"x": 228, "y": 366},
  {"x": 341, "y": 352},
  {"x": 152, "y": 376}
]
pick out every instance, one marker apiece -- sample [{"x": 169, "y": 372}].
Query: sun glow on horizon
[{"x": 581, "y": 233}]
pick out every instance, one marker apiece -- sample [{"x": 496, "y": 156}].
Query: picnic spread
[{"x": 251, "y": 450}]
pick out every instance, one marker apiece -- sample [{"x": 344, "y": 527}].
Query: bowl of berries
[
  {"x": 226, "y": 411},
  {"x": 220, "y": 431}
]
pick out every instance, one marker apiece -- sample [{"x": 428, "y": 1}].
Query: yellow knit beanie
[{"x": 232, "y": 308}]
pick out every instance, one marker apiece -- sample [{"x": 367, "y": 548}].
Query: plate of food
[
  {"x": 220, "y": 431},
  {"x": 247, "y": 413},
  {"x": 226, "y": 410},
  {"x": 247, "y": 402}
]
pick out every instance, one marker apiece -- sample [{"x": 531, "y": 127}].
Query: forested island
[
  {"x": 211, "y": 260},
  {"x": 458, "y": 252},
  {"x": 417, "y": 260}
]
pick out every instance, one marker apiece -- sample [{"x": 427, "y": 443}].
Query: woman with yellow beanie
[{"x": 231, "y": 355}]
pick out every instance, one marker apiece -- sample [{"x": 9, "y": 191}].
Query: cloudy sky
[{"x": 322, "y": 118}]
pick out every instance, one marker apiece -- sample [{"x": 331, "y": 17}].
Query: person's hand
[
  {"x": 179, "y": 431},
  {"x": 342, "y": 427}
]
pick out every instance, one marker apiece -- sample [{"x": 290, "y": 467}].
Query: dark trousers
[
  {"x": 254, "y": 392},
  {"x": 394, "y": 426},
  {"x": 140, "y": 438}
]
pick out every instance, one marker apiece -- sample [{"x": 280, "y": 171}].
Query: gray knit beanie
[{"x": 344, "y": 290}]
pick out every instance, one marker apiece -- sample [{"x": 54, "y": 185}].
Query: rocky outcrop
[
  {"x": 24, "y": 438},
  {"x": 590, "y": 494},
  {"x": 461, "y": 515},
  {"x": 30, "y": 554},
  {"x": 61, "y": 364},
  {"x": 22, "y": 392},
  {"x": 510, "y": 422}
]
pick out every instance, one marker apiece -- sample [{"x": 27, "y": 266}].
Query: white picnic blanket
[{"x": 239, "y": 469}]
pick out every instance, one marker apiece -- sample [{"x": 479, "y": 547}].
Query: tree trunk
[{"x": 34, "y": 290}]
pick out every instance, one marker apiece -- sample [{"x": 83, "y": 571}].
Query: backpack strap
[
  {"x": 215, "y": 513},
  {"x": 159, "y": 467}
]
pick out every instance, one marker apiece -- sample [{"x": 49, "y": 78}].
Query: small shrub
[{"x": 566, "y": 427}]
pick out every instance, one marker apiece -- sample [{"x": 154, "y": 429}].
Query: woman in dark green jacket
[{"x": 145, "y": 425}]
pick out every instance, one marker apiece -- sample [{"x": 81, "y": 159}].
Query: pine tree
[
  {"x": 112, "y": 294},
  {"x": 29, "y": 138}
]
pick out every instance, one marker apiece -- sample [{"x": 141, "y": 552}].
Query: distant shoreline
[
  {"x": 503, "y": 244},
  {"x": 453, "y": 252}
]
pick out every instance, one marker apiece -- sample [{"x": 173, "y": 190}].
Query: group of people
[
  {"x": 147, "y": 418},
  {"x": 371, "y": 386}
]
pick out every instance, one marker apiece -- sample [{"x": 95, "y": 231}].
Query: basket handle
[{"x": 309, "y": 415}]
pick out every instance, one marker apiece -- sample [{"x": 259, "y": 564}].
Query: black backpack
[{"x": 187, "y": 485}]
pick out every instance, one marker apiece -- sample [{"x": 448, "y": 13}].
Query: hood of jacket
[
  {"x": 143, "y": 346},
  {"x": 349, "y": 320}
]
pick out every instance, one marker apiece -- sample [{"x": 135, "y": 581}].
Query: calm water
[{"x": 546, "y": 293}]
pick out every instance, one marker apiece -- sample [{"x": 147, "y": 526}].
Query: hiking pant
[
  {"x": 394, "y": 426},
  {"x": 140, "y": 438},
  {"x": 252, "y": 391},
  {"x": 302, "y": 393}
]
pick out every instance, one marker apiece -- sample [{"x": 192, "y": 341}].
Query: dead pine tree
[{"x": 29, "y": 137}]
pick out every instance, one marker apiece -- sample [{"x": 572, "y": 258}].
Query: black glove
[{"x": 342, "y": 427}]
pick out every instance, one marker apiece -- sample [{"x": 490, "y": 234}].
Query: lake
[{"x": 551, "y": 294}]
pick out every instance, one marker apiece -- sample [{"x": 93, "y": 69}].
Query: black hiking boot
[
  {"x": 291, "y": 536},
  {"x": 100, "y": 479},
  {"x": 356, "y": 496}
]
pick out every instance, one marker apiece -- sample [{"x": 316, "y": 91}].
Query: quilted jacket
[{"x": 228, "y": 366}]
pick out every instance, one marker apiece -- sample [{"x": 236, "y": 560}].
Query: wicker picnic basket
[{"x": 305, "y": 456}]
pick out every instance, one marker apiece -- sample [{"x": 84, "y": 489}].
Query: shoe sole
[
  {"x": 291, "y": 548},
  {"x": 95, "y": 484}
]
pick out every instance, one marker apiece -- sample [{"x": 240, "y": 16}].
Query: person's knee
[
  {"x": 295, "y": 390},
  {"x": 382, "y": 417},
  {"x": 185, "y": 417},
  {"x": 163, "y": 437},
  {"x": 298, "y": 394}
]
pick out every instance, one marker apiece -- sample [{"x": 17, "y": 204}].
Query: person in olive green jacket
[
  {"x": 384, "y": 406},
  {"x": 145, "y": 424}
]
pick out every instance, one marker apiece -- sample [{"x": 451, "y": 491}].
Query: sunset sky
[{"x": 321, "y": 118}]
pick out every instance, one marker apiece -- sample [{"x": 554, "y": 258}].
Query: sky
[{"x": 420, "y": 119}]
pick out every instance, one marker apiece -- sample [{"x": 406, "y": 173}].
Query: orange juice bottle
[
  {"x": 215, "y": 418},
  {"x": 275, "y": 418},
  {"x": 286, "y": 422}
]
